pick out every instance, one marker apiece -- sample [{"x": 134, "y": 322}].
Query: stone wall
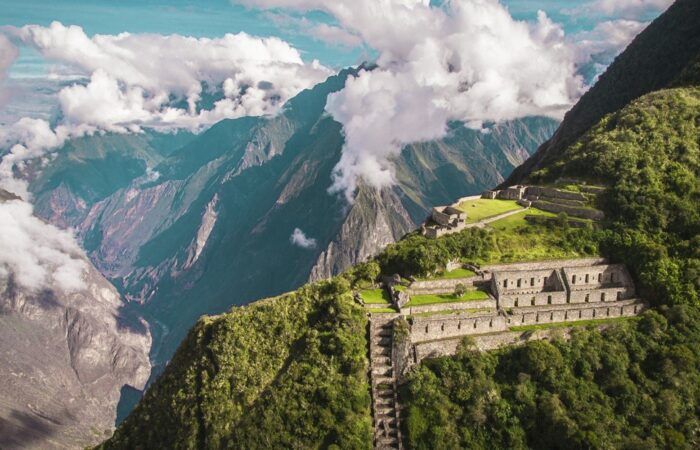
[
  {"x": 432, "y": 328},
  {"x": 576, "y": 211},
  {"x": 440, "y": 286},
  {"x": 596, "y": 277},
  {"x": 511, "y": 282},
  {"x": 609, "y": 294},
  {"x": 573, "y": 314},
  {"x": 555, "y": 193},
  {"x": 537, "y": 299},
  {"x": 561, "y": 201},
  {"x": 476, "y": 304},
  {"x": 549, "y": 264},
  {"x": 466, "y": 199}
]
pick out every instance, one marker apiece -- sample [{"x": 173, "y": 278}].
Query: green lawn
[
  {"x": 452, "y": 274},
  {"x": 579, "y": 323},
  {"x": 430, "y": 299},
  {"x": 518, "y": 220},
  {"x": 375, "y": 296},
  {"x": 482, "y": 208}
]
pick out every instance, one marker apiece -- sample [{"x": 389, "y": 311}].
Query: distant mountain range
[{"x": 186, "y": 225}]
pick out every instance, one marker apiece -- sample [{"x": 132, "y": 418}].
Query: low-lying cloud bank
[
  {"x": 133, "y": 81},
  {"x": 136, "y": 79},
  {"x": 38, "y": 255}
]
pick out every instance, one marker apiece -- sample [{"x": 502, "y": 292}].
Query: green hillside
[
  {"x": 634, "y": 386},
  {"x": 666, "y": 54},
  {"x": 288, "y": 372}
]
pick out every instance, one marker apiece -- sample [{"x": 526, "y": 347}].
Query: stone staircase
[{"x": 385, "y": 407}]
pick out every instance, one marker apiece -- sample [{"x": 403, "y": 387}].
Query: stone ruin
[
  {"x": 551, "y": 199},
  {"x": 520, "y": 294},
  {"x": 447, "y": 219}
]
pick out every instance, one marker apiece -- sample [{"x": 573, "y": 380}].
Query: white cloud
[
  {"x": 467, "y": 60},
  {"x": 149, "y": 80},
  {"x": 605, "y": 41},
  {"x": 29, "y": 139},
  {"x": 298, "y": 238},
  {"x": 8, "y": 54},
  {"x": 629, "y": 9},
  {"x": 135, "y": 78},
  {"x": 37, "y": 254}
]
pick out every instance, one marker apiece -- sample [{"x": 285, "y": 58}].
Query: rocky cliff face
[
  {"x": 209, "y": 224},
  {"x": 65, "y": 356}
]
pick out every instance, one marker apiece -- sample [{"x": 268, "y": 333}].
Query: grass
[
  {"x": 375, "y": 296},
  {"x": 579, "y": 323},
  {"x": 482, "y": 208},
  {"x": 515, "y": 221},
  {"x": 451, "y": 275},
  {"x": 516, "y": 240},
  {"x": 430, "y": 299},
  {"x": 382, "y": 310}
]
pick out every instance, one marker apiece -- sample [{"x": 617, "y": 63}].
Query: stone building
[
  {"x": 605, "y": 282},
  {"x": 448, "y": 216},
  {"x": 447, "y": 219},
  {"x": 513, "y": 289},
  {"x": 580, "y": 284}
]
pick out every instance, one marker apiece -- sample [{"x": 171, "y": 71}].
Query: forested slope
[
  {"x": 665, "y": 54},
  {"x": 636, "y": 385},
  {"x": 287, "y": 372}
]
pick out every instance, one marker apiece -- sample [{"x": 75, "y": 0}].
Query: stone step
[
  {"x": 383, "y": 402},
  {"x": 386, "y": 332},
  {"x": 383, "y": 351},
  {"x": 384, "y": 341},
  {"x": 382, "y": 379},
  {"x": 387, "y": 443},
  {"x": 384, "y": 393},
  {"x": 387, "y": 415},
  {"x": 383, "y": 370}
]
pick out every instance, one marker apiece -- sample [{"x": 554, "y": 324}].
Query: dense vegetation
[
  {"x": 638, "y": 384},
  {"x": 661, "y": 56},
  {"x": 635, "y": 386},
  {"x": 649, "y": 154},
  {"x": 417, "y": 256},
  {"x": 288, "y": 372}
]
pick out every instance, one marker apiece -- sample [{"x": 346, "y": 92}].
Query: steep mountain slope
[
  {"x": 635, "y": 384},
  {"x": 213, "y": 230},
  {"x": 665, "y": 54},
  {"x": 65, "y": 357}
]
